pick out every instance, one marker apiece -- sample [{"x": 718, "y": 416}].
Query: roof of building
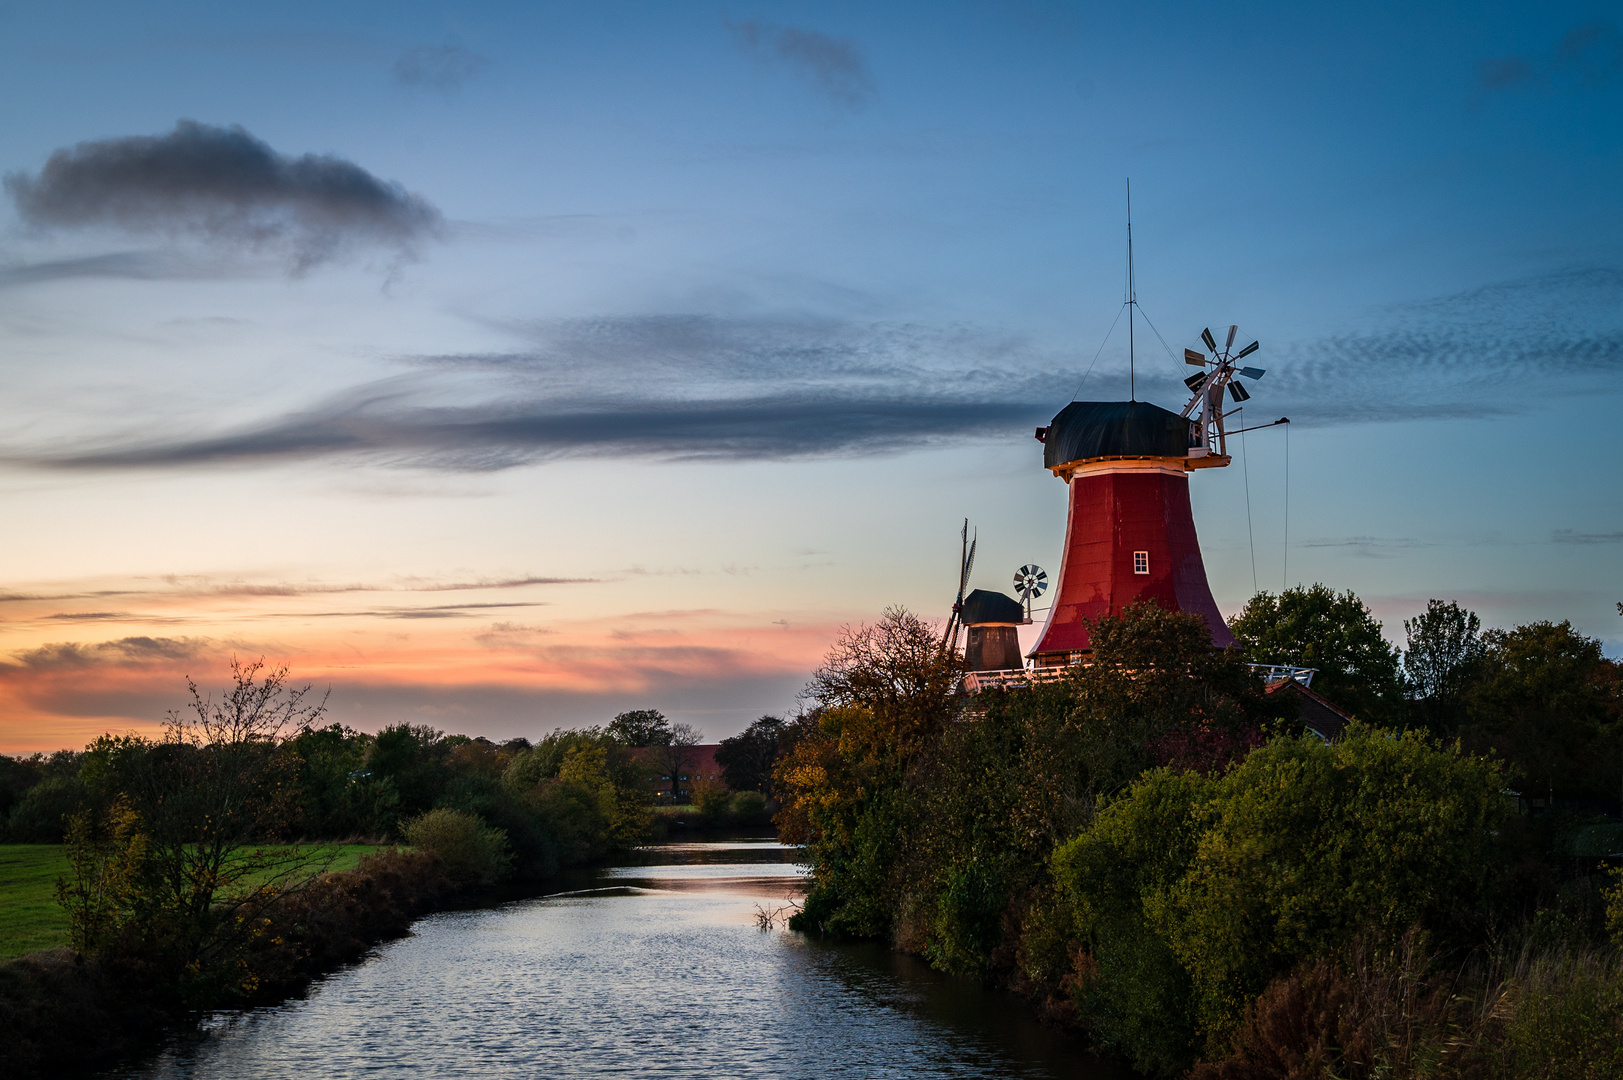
[
  {"x": 1091, "y": 429},
  {"x": 984, "y": 606},
  {"x": 700, "y": 764},
  {"x": 1317, "y": 713}
]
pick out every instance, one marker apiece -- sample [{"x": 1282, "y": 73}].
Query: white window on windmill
[{"x": 1141, "y": 562}]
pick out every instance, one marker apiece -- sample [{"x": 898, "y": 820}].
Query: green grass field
[{"x": 30, "y": 917}]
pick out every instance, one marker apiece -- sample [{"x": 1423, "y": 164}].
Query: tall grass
[{"x": 1545, "y": 1013}]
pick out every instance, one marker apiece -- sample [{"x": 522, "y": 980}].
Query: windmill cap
[
  {"x": 1094, "y": 429},
  {"x": 984, "y": 606}
]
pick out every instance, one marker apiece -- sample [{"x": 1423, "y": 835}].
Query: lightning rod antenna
[{"x": 1132, "y": 300}]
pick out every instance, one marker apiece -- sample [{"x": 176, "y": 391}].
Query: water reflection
[{"x": 653, "y": 968}]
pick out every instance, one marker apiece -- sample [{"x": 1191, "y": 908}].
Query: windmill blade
[
  {"x": 1211, "y": 342},
  {"x": 1253, "y": 372},
  {"x": 1248, "y": 350},
  {"x": 1238, "y": 392},
  {"x": 1229, "y": 344},
  {"x": 1190, "y": 356},
  {"x": 1194, "y": 381},
  {"x": 969, "y": 564},
  {"x": 963, "y": 567}
]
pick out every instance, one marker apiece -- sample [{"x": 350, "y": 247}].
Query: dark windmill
[{"x": 991, "y": 618}]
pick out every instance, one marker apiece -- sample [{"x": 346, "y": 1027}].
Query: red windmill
[{"x": 1130, "y": 534}]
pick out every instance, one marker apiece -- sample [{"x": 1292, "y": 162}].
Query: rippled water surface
[{"x": 653, "y": 968}]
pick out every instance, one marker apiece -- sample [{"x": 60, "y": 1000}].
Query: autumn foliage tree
[{"x": 883, "y": 693}]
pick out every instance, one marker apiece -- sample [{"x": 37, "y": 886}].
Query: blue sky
[{"x": 649, "y": 343}]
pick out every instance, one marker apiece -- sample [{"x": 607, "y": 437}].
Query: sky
[{"x": 502, "y": 367}]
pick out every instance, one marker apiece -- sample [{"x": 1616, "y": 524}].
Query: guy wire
[
  {"x": 1245, "y": 462},
  {"x": 1101, "y": 349},
  {"x": 1284, "y": 574}
]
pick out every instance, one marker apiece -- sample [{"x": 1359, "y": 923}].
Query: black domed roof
[
  {"x": 1091, "y": 429},
  {"x": 983, "y": 606}
]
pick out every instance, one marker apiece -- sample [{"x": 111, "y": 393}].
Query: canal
[{"x": 654, "y": 967}]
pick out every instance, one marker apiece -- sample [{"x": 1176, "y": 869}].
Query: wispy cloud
[
  {"x": 680, "y": 387},
  {"x": 129, "y": 265},
  {"x": 834, "y": 66},
  {"x": 1572, "y": 536},
  {"x": 437, "y": 611},
  {"x": 1454, "y": 357},
  {"x": 1590, "y": 54},
  {"x": 705, "y": 387},
  {"x": 438, "y": 67},
  {"x": 227, "y": 188}
]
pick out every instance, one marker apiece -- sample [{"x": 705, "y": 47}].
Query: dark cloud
[
  {"x": 503, "y": 583},
  {"x": 90, "y": 616},
  {"x": 228, "y": 188},
  {"x": 133, "y": 651},
  {"x": 834, "y": 65},
  {"x": 1590, "y": 54},
  {"x": 438, "y": 67}
]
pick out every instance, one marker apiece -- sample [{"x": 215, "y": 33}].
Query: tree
[
  {"x": 676, "y": 755},
  {"x": 883, "y": 694},
  {"x": 1550, "y": 703},
  {"x": 641, "y": 728},
  {"x": 1444, "y": 643},
  {"x": 221, "y": 785},
  {"x": 102, "y": 889},
  {"x": 1336, "y": 634},
  {"x": 412, "y": 760},
  {"x": 747, "y": 758},
  {"x": 208, "y": 795}
]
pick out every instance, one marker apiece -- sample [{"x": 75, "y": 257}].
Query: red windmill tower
[{"x": 1130, "y": 534}]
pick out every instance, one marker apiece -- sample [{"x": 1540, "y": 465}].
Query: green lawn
[{"x": 30, "y": 918}]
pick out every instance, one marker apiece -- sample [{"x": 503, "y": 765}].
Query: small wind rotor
[
  {"x": 966, "y": 563},
  {"x": 1030, "y": 581},
  {"x": 1217, "y": 372}
]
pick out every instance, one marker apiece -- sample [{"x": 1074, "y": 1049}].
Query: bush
[
  {"x": 471, "y": 850},
  {"x": 747, "y": 806},
  {"x": 711, "y": 797},
  {"x": 1290, "y": 857},
  {"x": 41, "y": 815}
]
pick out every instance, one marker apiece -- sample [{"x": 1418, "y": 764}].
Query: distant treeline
[
  {"x": 1157, "y": 852},
  {"x": 337, "y": 783}
]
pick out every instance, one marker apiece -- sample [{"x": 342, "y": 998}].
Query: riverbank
[
  {"x": 62, "y": 1014},
  {"x": 31, "y": 919},
  {"x": 669, "y": 820}
]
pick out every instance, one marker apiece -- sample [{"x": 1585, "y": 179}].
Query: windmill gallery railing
[{"x": 1022, "y": 678}]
